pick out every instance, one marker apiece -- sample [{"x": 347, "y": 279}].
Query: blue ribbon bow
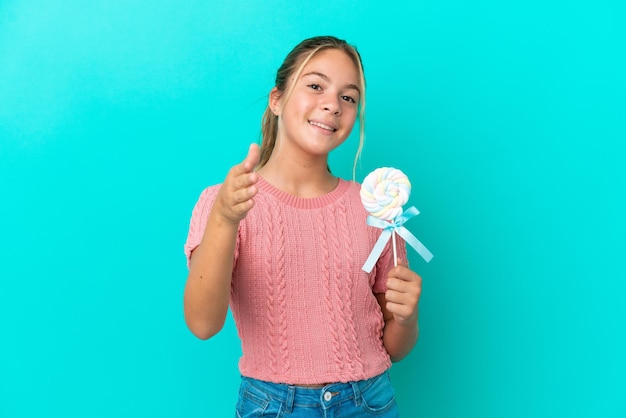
[{"x": 388, "y": 229}]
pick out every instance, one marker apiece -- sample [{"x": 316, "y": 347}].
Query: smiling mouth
[{"x": 323, "y": 126}]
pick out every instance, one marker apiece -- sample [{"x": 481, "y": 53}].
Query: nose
[{"x": 332, "y": 105}]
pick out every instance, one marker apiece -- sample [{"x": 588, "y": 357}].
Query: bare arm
[
  {"x": 207, "y": 290},
  {"x": 400, "y": 311}
]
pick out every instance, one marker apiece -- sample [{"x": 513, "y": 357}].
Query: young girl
[{"x": 282, "y": 240}]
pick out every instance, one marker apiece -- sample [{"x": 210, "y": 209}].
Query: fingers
[
  {"x": 404, "y": 288},
  {"x": 239, "y": 180},
  {"x": 239, "y": 188},
  {"x": 242, "y": 208},
  {"x": 242, "y": 178},
  {"x": 401, "y": 276}
]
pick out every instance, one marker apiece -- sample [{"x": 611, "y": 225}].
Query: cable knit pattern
[
  {"x": 328, "y": 295},
  {"x": 305, "y": 311},
  {"x": 355, "y": 361},
  {"x": 282, "y": 293},
  {"x": 269, "y": 294},
  {"x": 338, "y": 282}
]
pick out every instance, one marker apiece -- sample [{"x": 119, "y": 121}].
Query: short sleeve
[
  {"x": 199, "y": 217},
  {"x": 385, "y": 263}
]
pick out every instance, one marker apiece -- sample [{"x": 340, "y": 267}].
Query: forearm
[
  {"x": 207, "y": 291},
  {"x": 399, "y": 339}
]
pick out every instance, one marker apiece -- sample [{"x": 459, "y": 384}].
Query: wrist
[
  {"x": 411, "y": 322},
  {"x": 219, "y": 219}
]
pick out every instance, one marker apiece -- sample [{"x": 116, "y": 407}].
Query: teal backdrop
[{"x": 507, "y": 116}]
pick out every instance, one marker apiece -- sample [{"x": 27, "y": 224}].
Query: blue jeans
[{"x": 372, "y": 397}]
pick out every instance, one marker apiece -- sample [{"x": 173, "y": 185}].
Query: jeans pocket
[
  {"x": 379, "y": 396},
  {"x": 253, "y": 402}
]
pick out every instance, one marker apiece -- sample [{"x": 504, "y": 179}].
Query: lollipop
[{"x": 384, "y": 191}]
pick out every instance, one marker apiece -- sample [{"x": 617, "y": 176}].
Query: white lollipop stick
[{"x": 395, "y": 253}]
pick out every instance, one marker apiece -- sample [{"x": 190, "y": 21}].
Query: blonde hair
[{"x": 294, "y": 63}]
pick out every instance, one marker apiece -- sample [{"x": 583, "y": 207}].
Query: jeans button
[{"x": 328, "y": 396}]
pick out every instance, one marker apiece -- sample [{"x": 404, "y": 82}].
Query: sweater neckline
[{"x": 305, "y": 202}]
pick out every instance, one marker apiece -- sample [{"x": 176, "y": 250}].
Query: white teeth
[{"x": 321, "y": 125}]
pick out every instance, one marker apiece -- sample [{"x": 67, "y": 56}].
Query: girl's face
[{"x": 321, "y": 111}]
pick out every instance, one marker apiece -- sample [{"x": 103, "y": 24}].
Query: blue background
[{"x": 507, "y": 116}]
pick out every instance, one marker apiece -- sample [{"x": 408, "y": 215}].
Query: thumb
[
  {"x": 253, "y": 157},
  {"x": 402, "y": 262}
]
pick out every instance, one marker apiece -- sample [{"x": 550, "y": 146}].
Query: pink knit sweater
[{"x": 305, "y": 311}]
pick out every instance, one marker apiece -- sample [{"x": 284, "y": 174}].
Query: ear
[{"x": 274, "y": 101}]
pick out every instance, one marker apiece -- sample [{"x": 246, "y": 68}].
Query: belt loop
[
  {"x": 291, "y": 393},
  {"x": 357, "y": 393}
]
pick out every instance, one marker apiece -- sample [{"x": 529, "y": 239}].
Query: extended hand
[{"x": 235, "y": 197}]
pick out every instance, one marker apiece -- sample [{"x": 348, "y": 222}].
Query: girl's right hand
[{"x": 235, "y": 197}]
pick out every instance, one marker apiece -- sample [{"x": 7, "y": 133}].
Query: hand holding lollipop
[{"x": 383, "y": 193}]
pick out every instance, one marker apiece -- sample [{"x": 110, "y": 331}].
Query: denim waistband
[{"x": 326, "y": 396}]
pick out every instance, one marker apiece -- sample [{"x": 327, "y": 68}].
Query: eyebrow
[{"x": 325, "y": 77}]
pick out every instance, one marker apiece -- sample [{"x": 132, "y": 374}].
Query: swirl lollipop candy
[{"x": 384, "y": 191}]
